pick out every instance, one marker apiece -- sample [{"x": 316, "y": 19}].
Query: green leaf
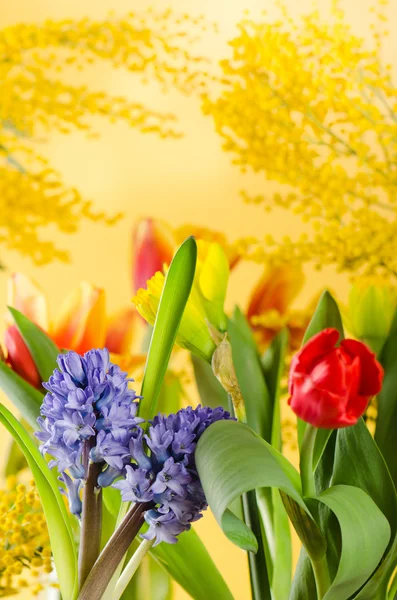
[
  {"x": 385, "y": 433},
  {"x": 365, "y": 535},
  {"x": 273, "y": 364},
  {"x": 171, "y": 394},
  {"x": 174, "y": 297},
  {"x": 326, "y": 315},
  {"x": 60, "y": 532},
  {"x": 250, "y": 376},
  {"x": 210, "y": 390},
  {"x": 358, "y": 462},
  {"x": 231, "y": 460},
  {"x": 24, "y": 396},
  {"x": 189, "y": 563},
  {"x": 41, "y": 347}
]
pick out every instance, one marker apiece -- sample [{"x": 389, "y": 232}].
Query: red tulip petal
[
  {"x": 320, "y": 408},
  {"x": 371, "y": 372},
  {"x": 154, "y": 246},
  {"x": 19, "y": 357},
  {"x": 313, "y": 351}
]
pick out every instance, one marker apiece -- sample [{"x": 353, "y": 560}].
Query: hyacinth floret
[
  {"x": 164, "y": 473},
  {"x": 89, "y": 415}
]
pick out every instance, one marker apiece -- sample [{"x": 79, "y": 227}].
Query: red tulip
[
  {"x": 154, "y": 246},
  {"x": 330, "y": 387},
  {"x": 19, "y": 358}
]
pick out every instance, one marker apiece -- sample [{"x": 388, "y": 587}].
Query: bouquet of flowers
[{"x": 137, "y": 478}]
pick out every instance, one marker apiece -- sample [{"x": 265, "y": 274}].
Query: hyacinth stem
[
  {"x": 102, "y": 572},
  {"x": 306, "y": 461},
  {"x": 91, "y": 523},
  {"x": 131, "y": 568}
]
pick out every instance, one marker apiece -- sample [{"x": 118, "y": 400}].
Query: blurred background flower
[{"x": 25, "y": 554}]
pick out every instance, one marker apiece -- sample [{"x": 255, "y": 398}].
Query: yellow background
[{"x": 187, "y": 180}]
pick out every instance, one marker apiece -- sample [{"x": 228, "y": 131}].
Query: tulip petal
[
  {"x": 120, "y": 331},
  {"x": 24, "y": 295},
  {"x": 19, "y": 358},
  {"x": 81, "y": 324},
  {"x": 277, "y": 289},
  {"x": 154, "y": 246},
  {"x": 371, "y": 372}
]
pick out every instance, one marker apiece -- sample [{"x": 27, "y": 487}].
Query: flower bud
[
  {"x": 372, "y": 304},
  {"x": 153, "y": 246}
]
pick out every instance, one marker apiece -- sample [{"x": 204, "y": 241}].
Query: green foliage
[
  {"x": 59, "y": 528},
  {"x": 173, "y": 300}
]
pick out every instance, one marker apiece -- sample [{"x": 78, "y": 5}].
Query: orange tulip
[
  {"x": 24, "y": 295},
  {"x": 153, "y": 246},
  {"x": 80, "y": 326},
  {"x": 19, "y": 358},
  {"x": 120, "y": 331},
  {"x": 276, "y": 290},
  {"x": 269, "y": 307},
  {"x": 82, "y": 321}
]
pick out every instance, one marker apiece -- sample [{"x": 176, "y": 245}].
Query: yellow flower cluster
[
  {"x": 36, "y": 100},
  {"x": 312, "y": 107},
  {"x": 24, "y": 543}
]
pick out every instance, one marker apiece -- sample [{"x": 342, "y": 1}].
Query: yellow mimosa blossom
[
  {"x": 25, "y": 552},
  {"x": 37, "y": 65},
  {"x": 312, "y": 106},
  {"x": 205, "y": 304}
]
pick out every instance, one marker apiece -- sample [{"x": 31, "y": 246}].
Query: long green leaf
[
  {"x": 23, "y": 395},
  {"x": 250, "y": 376},
  {"x": 174, "y": 297},
  {"x": 189, "y": 563},
  {"x": 370, "y": 473},
  {"x": 231, "y": 460},
  {"x": 365, "y": 535},
  {"x": 273, "y": 363},
  {"x": 61, "y": 535},
  {"x": 41, "y": 347},
  {"x": 385, "y": 434}
]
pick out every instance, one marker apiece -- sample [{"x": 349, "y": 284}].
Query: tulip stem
[
  {"x": 306, "y": 461},
  {"x": 321, "y": 576}
]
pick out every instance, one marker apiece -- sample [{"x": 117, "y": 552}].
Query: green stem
[
  {"x": 321, "y": 576},
  {"x": 306, "y": 461},
  {"x": 260, "y": 585},
  {"x": 392, "y": 594},
  {"x": 114, "y": 551},
  {"x": 131, "y": 568},
  {"x": 91, "y": 523}
]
